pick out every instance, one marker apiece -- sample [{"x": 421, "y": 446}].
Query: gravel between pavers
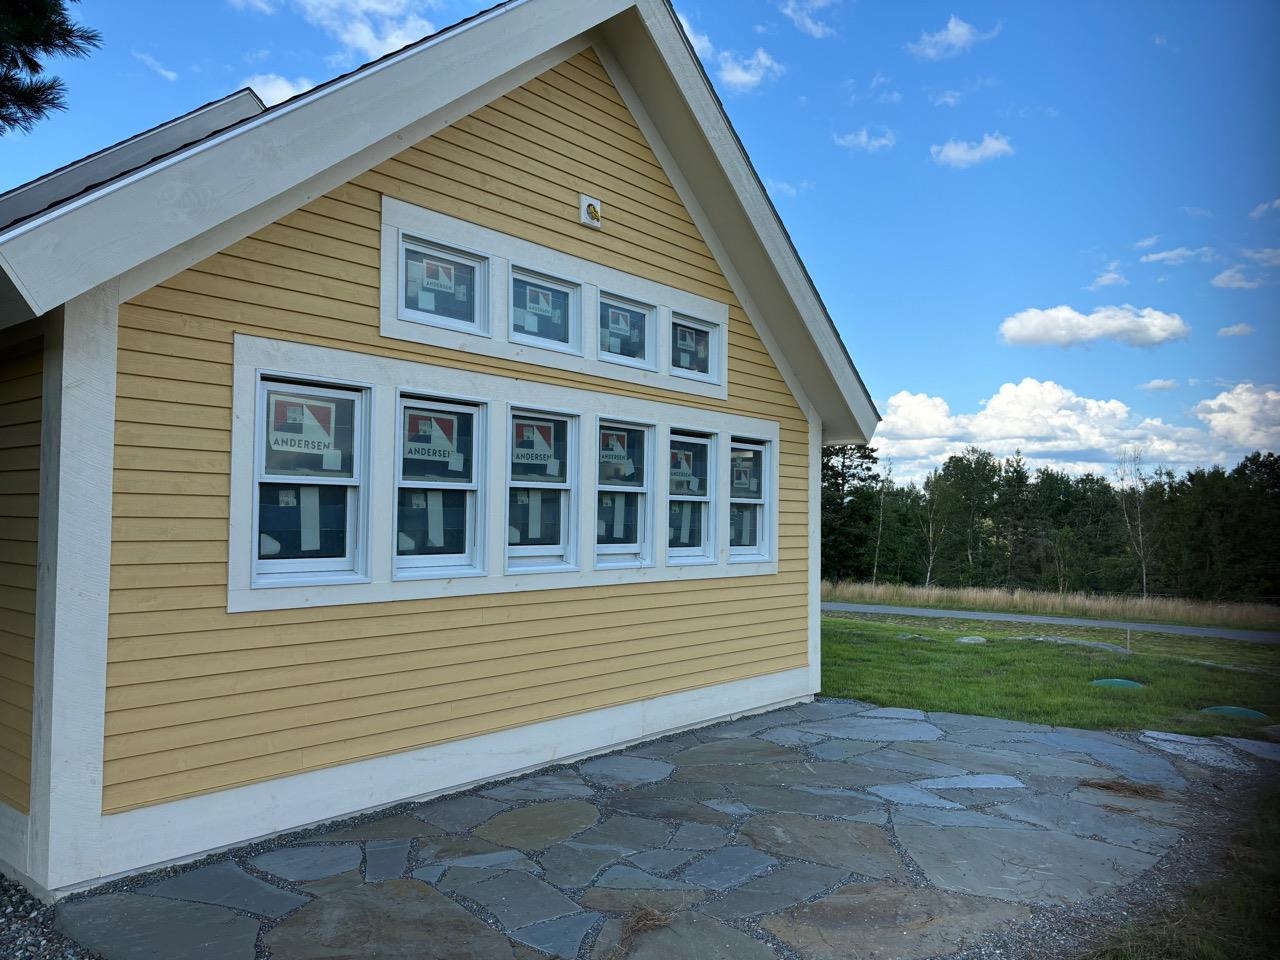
[{"x": 1219, "y": 800}]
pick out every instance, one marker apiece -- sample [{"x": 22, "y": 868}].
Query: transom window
[
  {"x": 443, "y": 286},
  {"x": 689, "y": 493},
  {"x": 692, "y": 348},
  {"x": 539, "y": 506},
  {"x": 622, "y": 501},
  {"x": 437, "y": 488},
  {"x": 543, "y": 310},
  {"x": 624, "y": 331}
]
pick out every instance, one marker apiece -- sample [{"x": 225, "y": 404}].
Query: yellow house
[{"x": 455, "y": 418}]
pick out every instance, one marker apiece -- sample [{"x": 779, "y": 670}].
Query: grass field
[
  {"x": 916, "y": 662},
  {"x": 1244, "y": 616}
]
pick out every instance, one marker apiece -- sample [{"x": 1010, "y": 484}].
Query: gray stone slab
[
  {"x": 984, "y": 760},
  {"x": 560, "y": 938},
  {"x": 561, "y": 785},
  {"x": 971, "y": 639},
  {"x": 829, "y": 709},
  {"x": 431, "y": 873},
  {"x": 1201, "y": 750},
  {"x": 912, "y": 796},
  {"x": 611, "y": 900},
  {"x": 788, "y": 885},
  {"x": 662, "y": 861},
  {"x": 815, "y": 801},
  {"x": 1262, "y": 749},
  {"x": 539, "y": 826},
  {"x": 663, "y": 808},
  {"x": 1140, "y": 766},
  {"x": 1158, "y": 809},
  {"x": 954, "y": 818},
  {"x": 621, "y": 772},
  {"x": 388, "y": 828},
  {"x": 843, "y": 749},
  {"x": 728, "y": 867},
  {"x": 855, "y": 847},
  {"x": 459, "y": 878},
  {"x": 896, "y": 713},
  {"x": 338, "y": 883},
  {"x": 907, "y": 764},
  {"x": 699, "y": 836},
  {"x": 816, "y": 773},
  {"x": 688, "y": 935},
  {"x": 467, "y": 852},
  {"x": 660, "y": 749},
  {"x": 629, "y": 878},
  {"x": 385, "y": 859},
  {"x": 1028, "y": 866},
  {"x": 1087, "y": 820},
  {"x": 954, "y": 722},
  {"x": 387, "y": 921},
  {"x": 789, "y": 737},
  {"x": 460, "y": 814},
  {"x": 125, "y": 926},
  {"x": 224, "y": 884},
  {"x": 745, "y": 750},
  {"x": 309, "y": 862},
  {"x": 973, "y": 781},
  {"x": 882, "y": 730},
  {"x": 732, "y": 807},
  {"x": 864, "y": 921},
  {"x": 744, "y": 726},
  {"x": 518, "y": 900},
  {"x": 572, "y": 865},
  {"x": 625, "y": 834}
]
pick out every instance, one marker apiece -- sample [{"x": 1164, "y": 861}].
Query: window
[
  {"x": 309, "y": 453},
  {"x": 539, "y": 508},
  {"x": 692, "y": 348},
  {"x": 689, "y": 493},
  {"x": 443, "y": 287},
  {"x": 624, "y": 331},
  {"x": 437, "y": 486},
  {"x": 622, "y": 502},
  {"x": 544, "y": 311},
  {"x": 747, "y": 498}
]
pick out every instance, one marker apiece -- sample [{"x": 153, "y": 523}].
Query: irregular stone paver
[
  {"x": 954, "y": 818},
  {"x": 395, "y": 920},
  {"x": 388, "y": 828},
  {"x": 662, "y": 808},
  {"x": 914, "y": 796},
  {"x": 467, "y": 852},
  {"x": 828, "y": 709},
  {"x": 743, "y": 727},
  {"x": 845, "y": 804},
  {"x": 662, "y": 861},
  {"x": 843, "y": 749},
  {"x": 540, "y": 825},
  {"x": 688, "y": 935},
  {"x": 460, "y": 814},
  {"x": 865, "y": 921},
  {"x": 747, "y": 750},
  {"x": 625, "y": 834},
  {"x": 728, "y": 867},
  {"x": 659, "y": 749},
  {"x": 1088, "y": 820},
  {"x": 624, "y": 771},
  {"x": 613, "y": 900},
  {"x": 310, "y": 862},
  {"x": 125, "y": 926},
  {"x": 385, "y": 859},
  {"x": 699, "y": 836},
  {"x": 908, "y": 764},
  {"x": 561, "y": 938},
  {"x": 1129, "y": 762},
  {"x": 326, "y": 886},
  {"x": 1258, "y": 748},
  {"x": 732, "y": 807},
  {"x": 818, "y": 773},
  {"x": 857, "y": 728},
  {"x": 518, "y": 899},
  {"x": 561, "y": 785},
  {"x": 225, "y": 885},
  {"x": 977, "y": 781},
  {"x": 1201, "y": 750},
  {"x": 786, "y": 886},
  {"x": 972, "y": 639},
  {"x": 1029, "y": 866},
  {"x": 984, "y": 760},
  {"x": 431, "y": 873},
  {"x": 896, "y": 713},
  {"x": 789, "y": 736},
  {"x": 1152, "y": 808},
  {"x": 629, "y": 878},
  {"x": 856, "y": 847}
]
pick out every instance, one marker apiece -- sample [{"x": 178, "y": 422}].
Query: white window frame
[
  {"x": 573, "y": 293},
  {"x": 649, "y": 361},
  {"x": 713, "y": 348},
  {"x": 504, "y": 254},
  {"x": 528, "y": 558},
  {"x": 469, "y": 562},
  {"x": 478, "y": 261},
  {"x": 706, "y": 553},
  {"x": 615, "y": 555},
  {"x": 764, "y": 506},
  {"x": 352, "y": 566}
]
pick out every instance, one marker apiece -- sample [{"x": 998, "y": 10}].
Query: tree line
[{"x": 978, "y": 521}]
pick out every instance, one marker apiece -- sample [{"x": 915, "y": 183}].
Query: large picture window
[
  {"x": 689, "y": 495},
  {"x": 438, "y": 484},
  {"x": 747, "y": 498},
  {"x": 309, "y": 457},
  {"x": 622, "y": 495},
  {"x": 540, "y": 497}
]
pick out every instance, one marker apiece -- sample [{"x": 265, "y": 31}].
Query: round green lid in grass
[
  {"x": 1117, "y": 682},
  {"x": 1240, "y": 713}
]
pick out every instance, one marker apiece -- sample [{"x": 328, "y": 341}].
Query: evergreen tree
[{"x": 30, "y": 31}]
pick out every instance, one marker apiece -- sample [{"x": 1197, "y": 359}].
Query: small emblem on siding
[{"x": 589, "y": 211}]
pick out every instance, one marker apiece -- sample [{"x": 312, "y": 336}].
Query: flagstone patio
[{"x": 821, "y": 831}]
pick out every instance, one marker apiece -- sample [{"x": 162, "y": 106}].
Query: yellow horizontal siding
[
  {"x": 199, "y": 699},
  {"x": 21, "y": 395}
]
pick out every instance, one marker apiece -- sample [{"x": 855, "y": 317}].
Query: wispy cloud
[
  {"x": 155, "y": 65},
  {"x": 1197, "y": 212},
  {"x": 740, "y": 74},
  {"x": 964, "y": 153},
  {"x": 1268, "y": 256},
  {"x": 1233, "y": 278},
  {"x": 952, "y": 40},
  {"x": 257, "y": 6},
  {"x": 947, "y": 98},
  {"x": 1110, "y": 277},
  {"x": 866, "y": 140},
  {"x": 1146, "y": 243},
  {"x": 1062, "y": 326},
  {"x": 1159, "y": 385},
  {"x": 1178, "y": 255},
  {"x": 1263, "y": 208},
  {"x": 785, "y": 188},
  {"x": 879, "y": 88},
  {"x": 700, "y": 42},
  {"x": 1164, "y": 43},
  {"x": 273, "y": 88},
  {"x": 365, "y": 28},
  {"x": 802, "y": 14},
  {"x": 1235, "y": 330}
]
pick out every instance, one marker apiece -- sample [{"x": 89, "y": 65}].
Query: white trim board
[{"x": 190, "y": 828}]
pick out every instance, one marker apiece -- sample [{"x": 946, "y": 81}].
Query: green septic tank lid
[
  {"x": 1240, "y": 713},
  {"x": 1117, "y": 682}
]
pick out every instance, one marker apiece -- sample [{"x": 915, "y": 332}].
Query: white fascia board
[
  {"x": 78, "y": 246},
  {"x": 687, "y": 114}
]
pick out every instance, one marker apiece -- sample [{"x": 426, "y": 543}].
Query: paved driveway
[{"x": 823, "y": 831}]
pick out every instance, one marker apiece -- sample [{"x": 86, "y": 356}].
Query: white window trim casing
[
  {"x": 505, "y": 255},
  {"x": 387, "y": 379}
]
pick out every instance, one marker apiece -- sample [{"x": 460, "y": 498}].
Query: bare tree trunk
[
  {"x": 884, "y": 488},
  {"x": 1132, "y": 482}
]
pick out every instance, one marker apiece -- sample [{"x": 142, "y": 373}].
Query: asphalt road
[{"x": 1252, "y": 636}]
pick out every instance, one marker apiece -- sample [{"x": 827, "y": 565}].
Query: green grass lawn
[{"x": 868, "y": 659}]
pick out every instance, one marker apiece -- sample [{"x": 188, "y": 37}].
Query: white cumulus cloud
[
  {"x": 1262, "y": 209},
  {"x": 1110, "y": 277},
  {"x": 369, "y": 28},
  {"x": 1267, "y": 257},
  {"x": 1245, "y": 416},
  {"x": 1166, "y": 384},
  {"x": 1235, "y": 330},
  {"x": 700, "y": 42},
  {"x": 1178, "y": 255},
  {"x": 953, "y": 39},
  {"x": 801, "y": 13},
  {"x": 1063, "y": 326},
  {"x": 964, "y": 153},
  {"x": 746, "y": 73},
  {"x": 1233, "y": 278},
  {"x": 273, "y": 88},
  {"x": 865, "y": 140}
]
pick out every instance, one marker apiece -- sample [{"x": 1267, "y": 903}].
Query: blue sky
[{"x": 1046, "y": 227}]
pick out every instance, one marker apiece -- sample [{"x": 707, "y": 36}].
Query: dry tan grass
[
  {"x": 1257, "y": 616},
  {"x": 1125, "y": 788},
  {"x": 639, "y": 921}
]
